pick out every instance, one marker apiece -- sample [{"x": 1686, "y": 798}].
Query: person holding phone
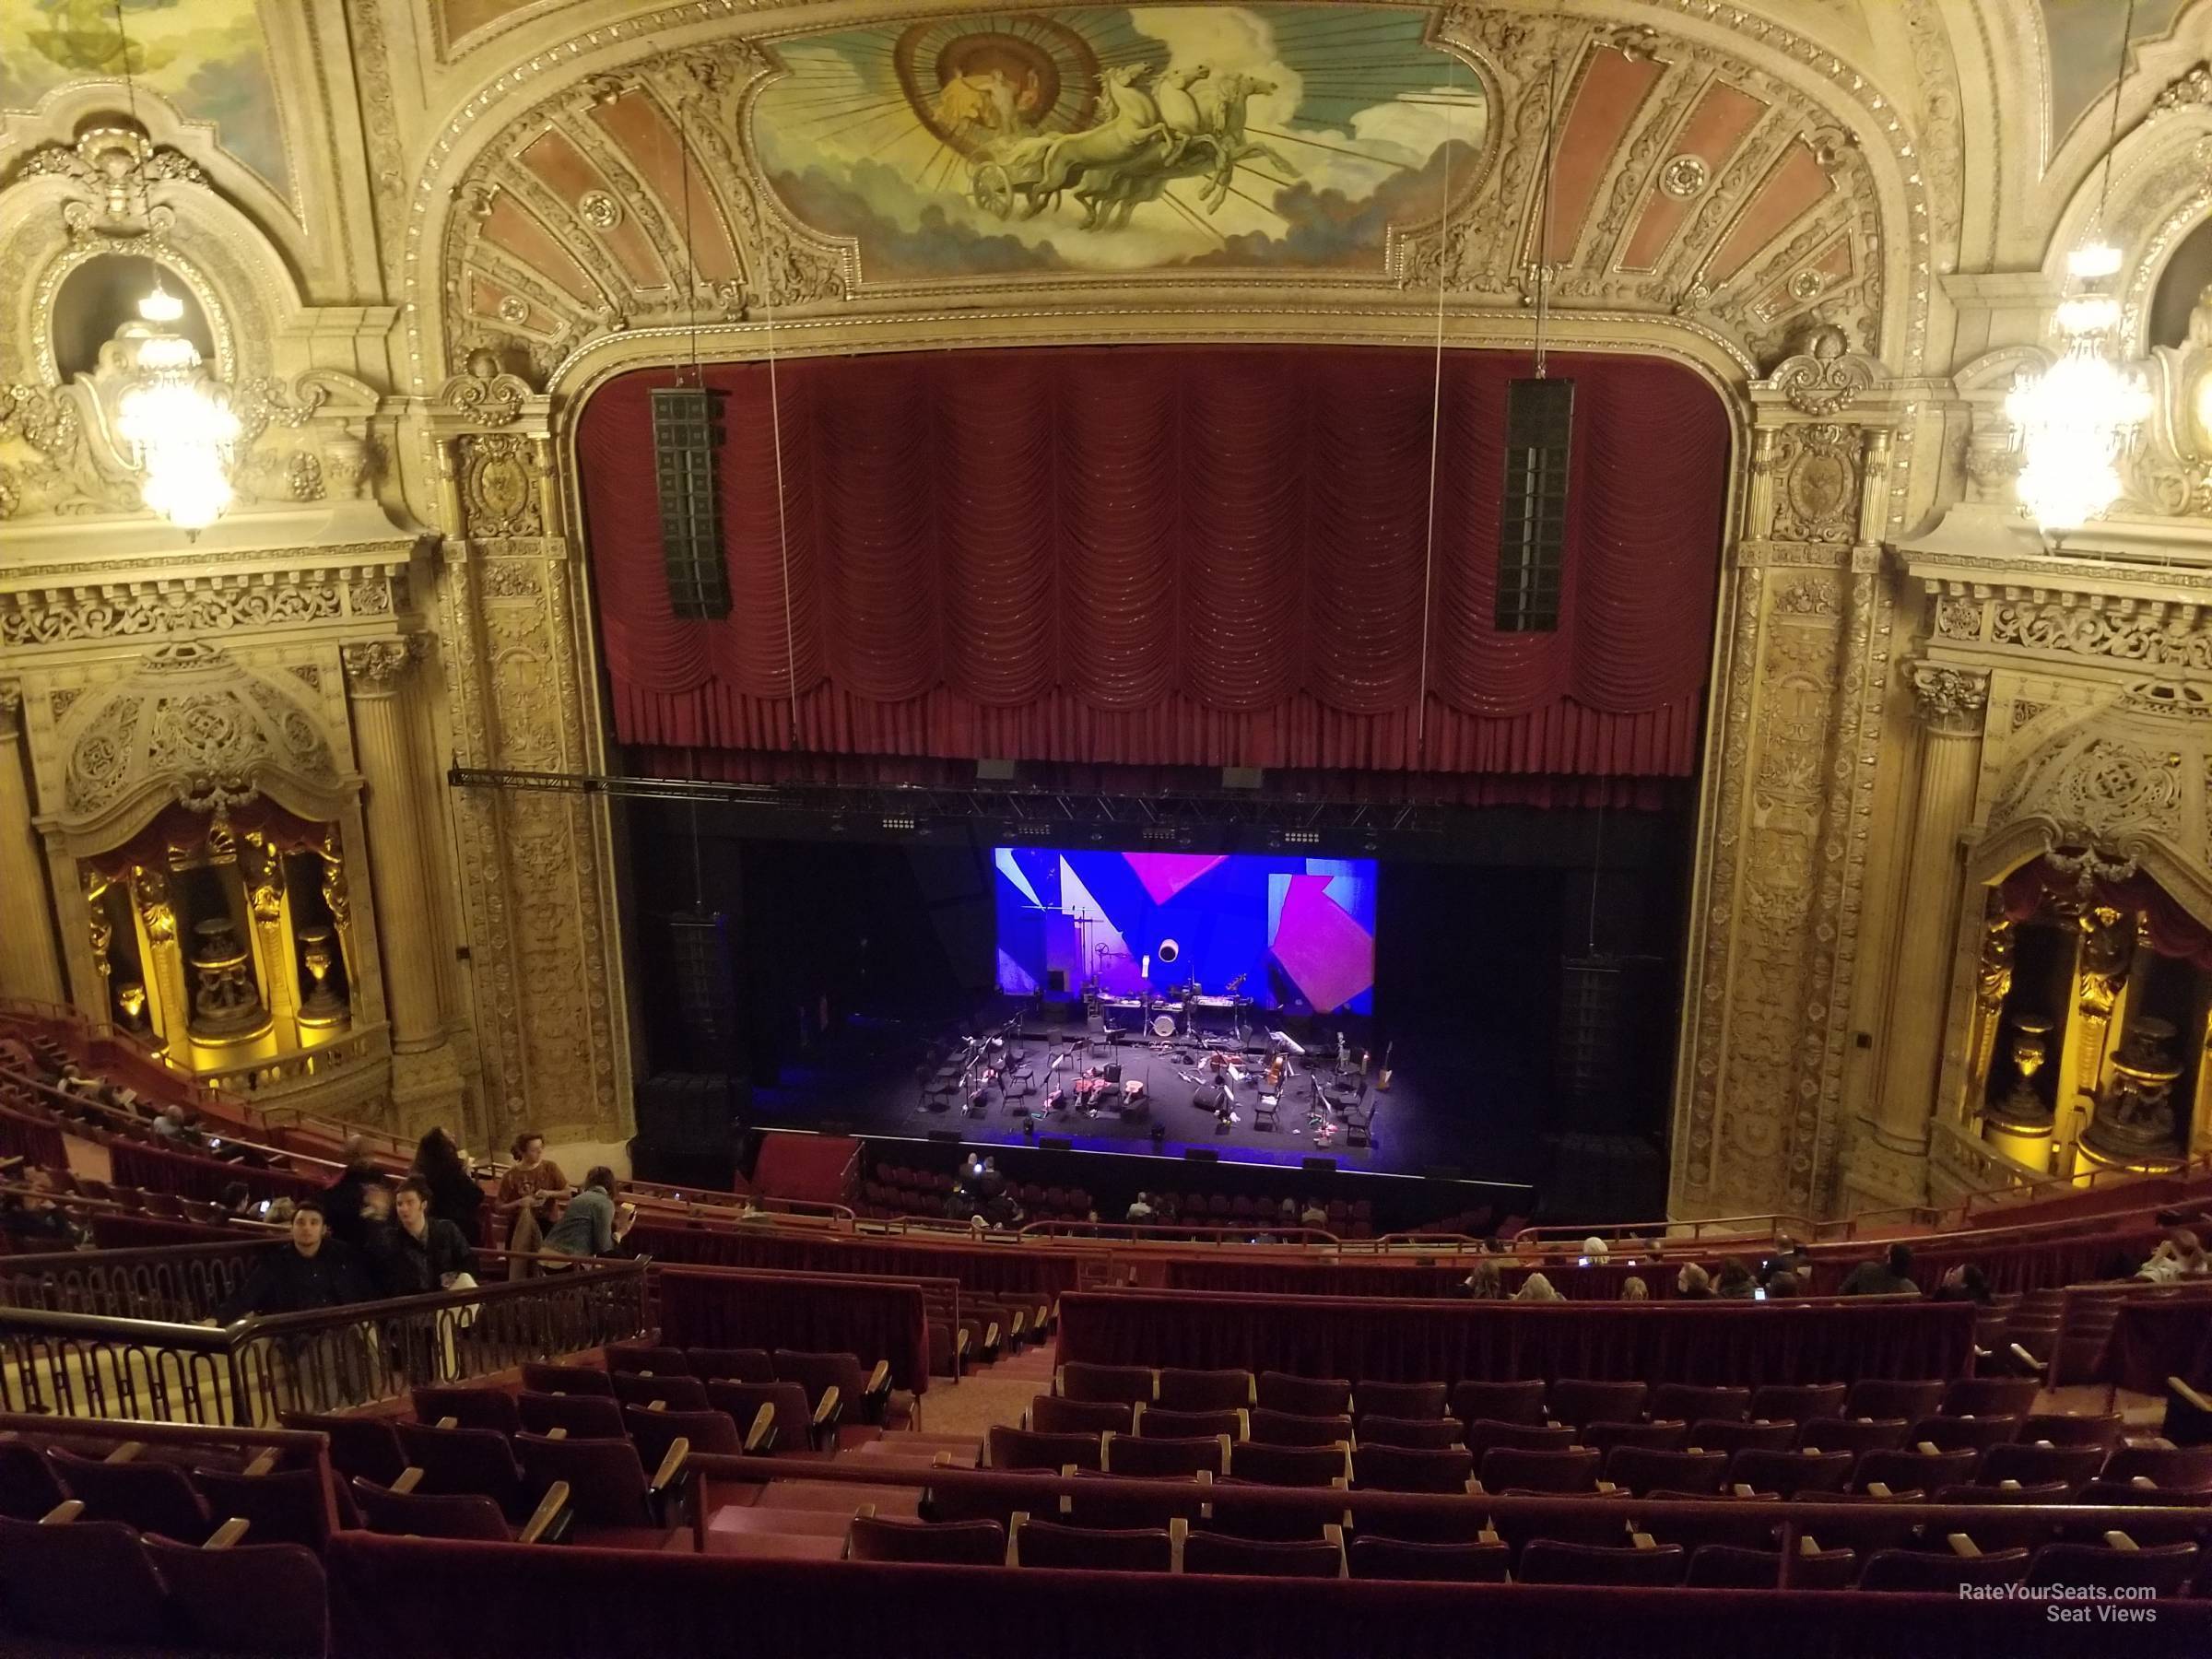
[{"x": 591, "y": 1225}]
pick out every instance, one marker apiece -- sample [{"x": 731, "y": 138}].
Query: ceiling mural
[
  {"x": 207, "y": 57},
  {"x": 2084, "y": 41},
  {"x": 1122, "y": 138}
]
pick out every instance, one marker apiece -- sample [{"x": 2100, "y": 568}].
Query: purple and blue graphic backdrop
[{"x": 1300, "y": 931}]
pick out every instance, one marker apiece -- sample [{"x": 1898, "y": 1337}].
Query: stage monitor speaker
[
  {"x": 990, "y": 771},
  {"x": 947, "y": 1136},
  {"x": 1055, "y": 1142},
  {"x": 1439, "y": 1172},
  {"x": 1318, "y": 1166},
  {"x": 1206, "y": 1097},
  {"x": 687, "y": 437},
  {"x": 1201, "y": 1155},
  {"x": 1112, "y": 1071}
]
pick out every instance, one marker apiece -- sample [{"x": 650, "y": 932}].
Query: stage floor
[{"x": 1453, "y": 1105}]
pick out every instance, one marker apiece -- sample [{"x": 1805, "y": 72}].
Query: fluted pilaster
[
  {"x": 379, "y": 676},
  {"x": 29, "y": 964}
]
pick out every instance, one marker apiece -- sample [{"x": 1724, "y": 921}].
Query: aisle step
[{"x": 841, "y": 1496}]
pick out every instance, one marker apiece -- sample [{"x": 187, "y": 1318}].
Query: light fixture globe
[{"x": 174, "y": 423}]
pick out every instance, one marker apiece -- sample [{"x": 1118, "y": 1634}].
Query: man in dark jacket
[
  {"x": 313, "y": 1271},
  {"x": 347, "y": 1197},
  {"x": 417, "y": 1252},
  {"x": 1892, "y": 1276}
]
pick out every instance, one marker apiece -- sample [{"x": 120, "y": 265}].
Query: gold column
[
  {"x": 2200, "y": 1114},
  {"x": 2103, "y": 957},
  {"x": 262, "y": 869},
  {"x": 30, "y": 959},
  {"x": 1992, "y": 986},
  {"x": 1949, "y": 702},
  {"x": 377, "y": 678},
  {"x": 165, "y": 957}
]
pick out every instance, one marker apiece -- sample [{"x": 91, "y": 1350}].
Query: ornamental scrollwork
[
  {"x": 1816, "y": 492},
  {"x": 1949, "y": 700},
  {"x": 1824, "y": 376},
  {"x": 498, "y": 485},
  {"x": 485, "y": 392}
]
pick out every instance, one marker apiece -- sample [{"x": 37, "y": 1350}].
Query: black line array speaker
[
  {"x": 1318, "y": 1166},
  {"x": 687, "y": 437},
  {"x": 1201, "y": 1155},
  {"x": 1055, "y": 1142},
  {"x": 945, "y": 1137}
]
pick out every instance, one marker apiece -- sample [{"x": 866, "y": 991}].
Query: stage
[{"x": 1450, "y": 1106}]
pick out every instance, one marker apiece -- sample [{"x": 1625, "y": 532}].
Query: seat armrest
[
  {"x": 671, "y": 1482},
  {"x": 126, "y": 1452},
  {"x": 826, "y": 1414},
  {"x": 877, "y": 1391},
  {"x": 2119, "y": 1540},
  {"x": 409, "y": 1478},
  {"x": 760, "y": 1439},
  {"x": 263, "y": 1464},
  {"x": 1961, "y": 1544},
  {"x": 228, "y": 1533},
  {"x": 1332, "y": 1535},
  {"x": 61, "y": 1514},
  {"x": 545, "y": 1524}
]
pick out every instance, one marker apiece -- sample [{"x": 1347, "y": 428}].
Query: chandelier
[
  {"x": 2078, "y": 419},
  {"x": 174, "y": 421}
]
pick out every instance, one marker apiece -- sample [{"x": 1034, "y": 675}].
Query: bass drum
[{"x": 1163, "y": 1025}]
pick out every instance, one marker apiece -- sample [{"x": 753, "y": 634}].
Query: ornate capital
[
  {"x": 374, "y": 667},
  {"x": 1949, "y": 700},
  {"x": 1824, "y": 376}
]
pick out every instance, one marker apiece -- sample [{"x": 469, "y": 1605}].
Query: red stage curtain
[
  {"x": 1385, "y": 1339},
  {"x": 1166, "y": 555},
  {"x": 873, "y": 1319},
  {"x": 2167, "y": 928}
]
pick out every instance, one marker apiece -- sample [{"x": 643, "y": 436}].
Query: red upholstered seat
[
  {"x": 492, "y": 1408},
  {"x": 1434, "y": 1433},
  {"x": 1304, "y": 1396},
  {"x": 1017, "y": 1449},
  {"x": 284, "y": 1506},
  {"x": 1164, "y": 1499},
  {"x": 1909, "y": 1471},
  {"x": 1408, "y": 1469},
  {"x": 1692, "y": 1401},
  {"x": 608, "y": 1485},
  {"x": 1484, "y": 1432},
  {"x": 737, "y": 1365},
  {"x": 1801, "y": 1402},
  {"x": 1143, "y": 1458},
  {"x": 2181, "y": 1467},
  {"x": 1642, "y": 1468},
  {"x": 1991, "y": 1396},
  {"x": 29, "y": 1487},
  {"x": 140, "y": 1492},
  {"x": 1092, "y": 1548},
  {"x": 567, "y": 1380},
  {"x": 1578, "y": 1401},
  {"x": 1126, "y": 1384},
  {"x": 1851, "y": 1434},
  {"x": 1790, "y": 1473},
  {"x": 1181, "y": 1390},
  {"x": 1727, "y": 1567},
  {"x": 587, "y": 1417},
  {"x": 1187, "y": 1425},
  {"x": 1296, "y": 1429},
  {"x": 1964, "y": 1433},
  {"x": 742, "y": 1403},
  {"x": 861, "y": 1396},
  {"x": 1371, "y": 1556},
  {"x": 1889, "y": 1397},
  {"x": 1050, "y": 1414},
  {"x": 1663, "y": 1435},
  {"x": 466, "y": 1460},
  {"x": 1721, "y": 1435},
  {"x": 677, "y": 1392},
  {"x": 1547, "y": 1561},
  {"x": 1216, "y": 1552},
  {"x": 249, "y": 1598},
  {"x": 642, "y": 1357},
  {"x": 90, "y": 1582},
  {"x": 2063, "y": 1429},
  {"x": 1940, "y": 1571},
  {"x": 429, "y": 1515},
  {"x": 2163, "y": 1568},
  {"x": 1402, "y": 1400},
  {"x": 1498, "y": 1402},
  {"x": 1510, "y": 1468},
  {"x": 2149, "y": 1494},
  {"x": 364, "y": 1446},
  {"x": 653, "y": 1432},
  {"x": 969, "y": 1543},
  {"x": 1288, "y": 1466}
]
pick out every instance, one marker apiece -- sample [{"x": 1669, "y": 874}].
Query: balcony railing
[{"x": 78, "y": 1364}]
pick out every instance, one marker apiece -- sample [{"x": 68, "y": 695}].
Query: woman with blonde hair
[
  {"x": 1634, "y": 1290},
  {"x": 1537, "y": 1289}
]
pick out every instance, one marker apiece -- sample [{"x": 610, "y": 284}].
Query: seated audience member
[
  {"x": 530, "y": 1180},
  {"x": 1140, "y": 1210},
  {"x": 313, "y": 1271},
  {"x": 1734, "y": 1282},
  {"x": 1597, "y": 1250},
  {"x": 280, "y": 1212},
  {"x": 35, "y": 1217},
  {"x": 1962, "y": 1283},
  {"x": 346, "y": 1201},
  {"x": 174, "y": 1128},
  {"x": 1285, "y": 1213},
  {"x": 1535, "y": 1287},
  {"x": 1167, "y": 1208},
  {"x": 235, "y": 1201},
  {"x": 455, "y": 1196},
  {"x": 1482, "y": 1285},
  {"x": 2180, "y": 1255},
  {"x": 591, "y": 1225},
  {"x": 1634, "y": 1290},
  {"x": 420, "y": 1253},
  {"x": 1782, "y": 1284},
  {"x": 1314, "y": 1215},
  {"x": 1892, "y": 1276},
  {"x": 1693, "y": 1283}
]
